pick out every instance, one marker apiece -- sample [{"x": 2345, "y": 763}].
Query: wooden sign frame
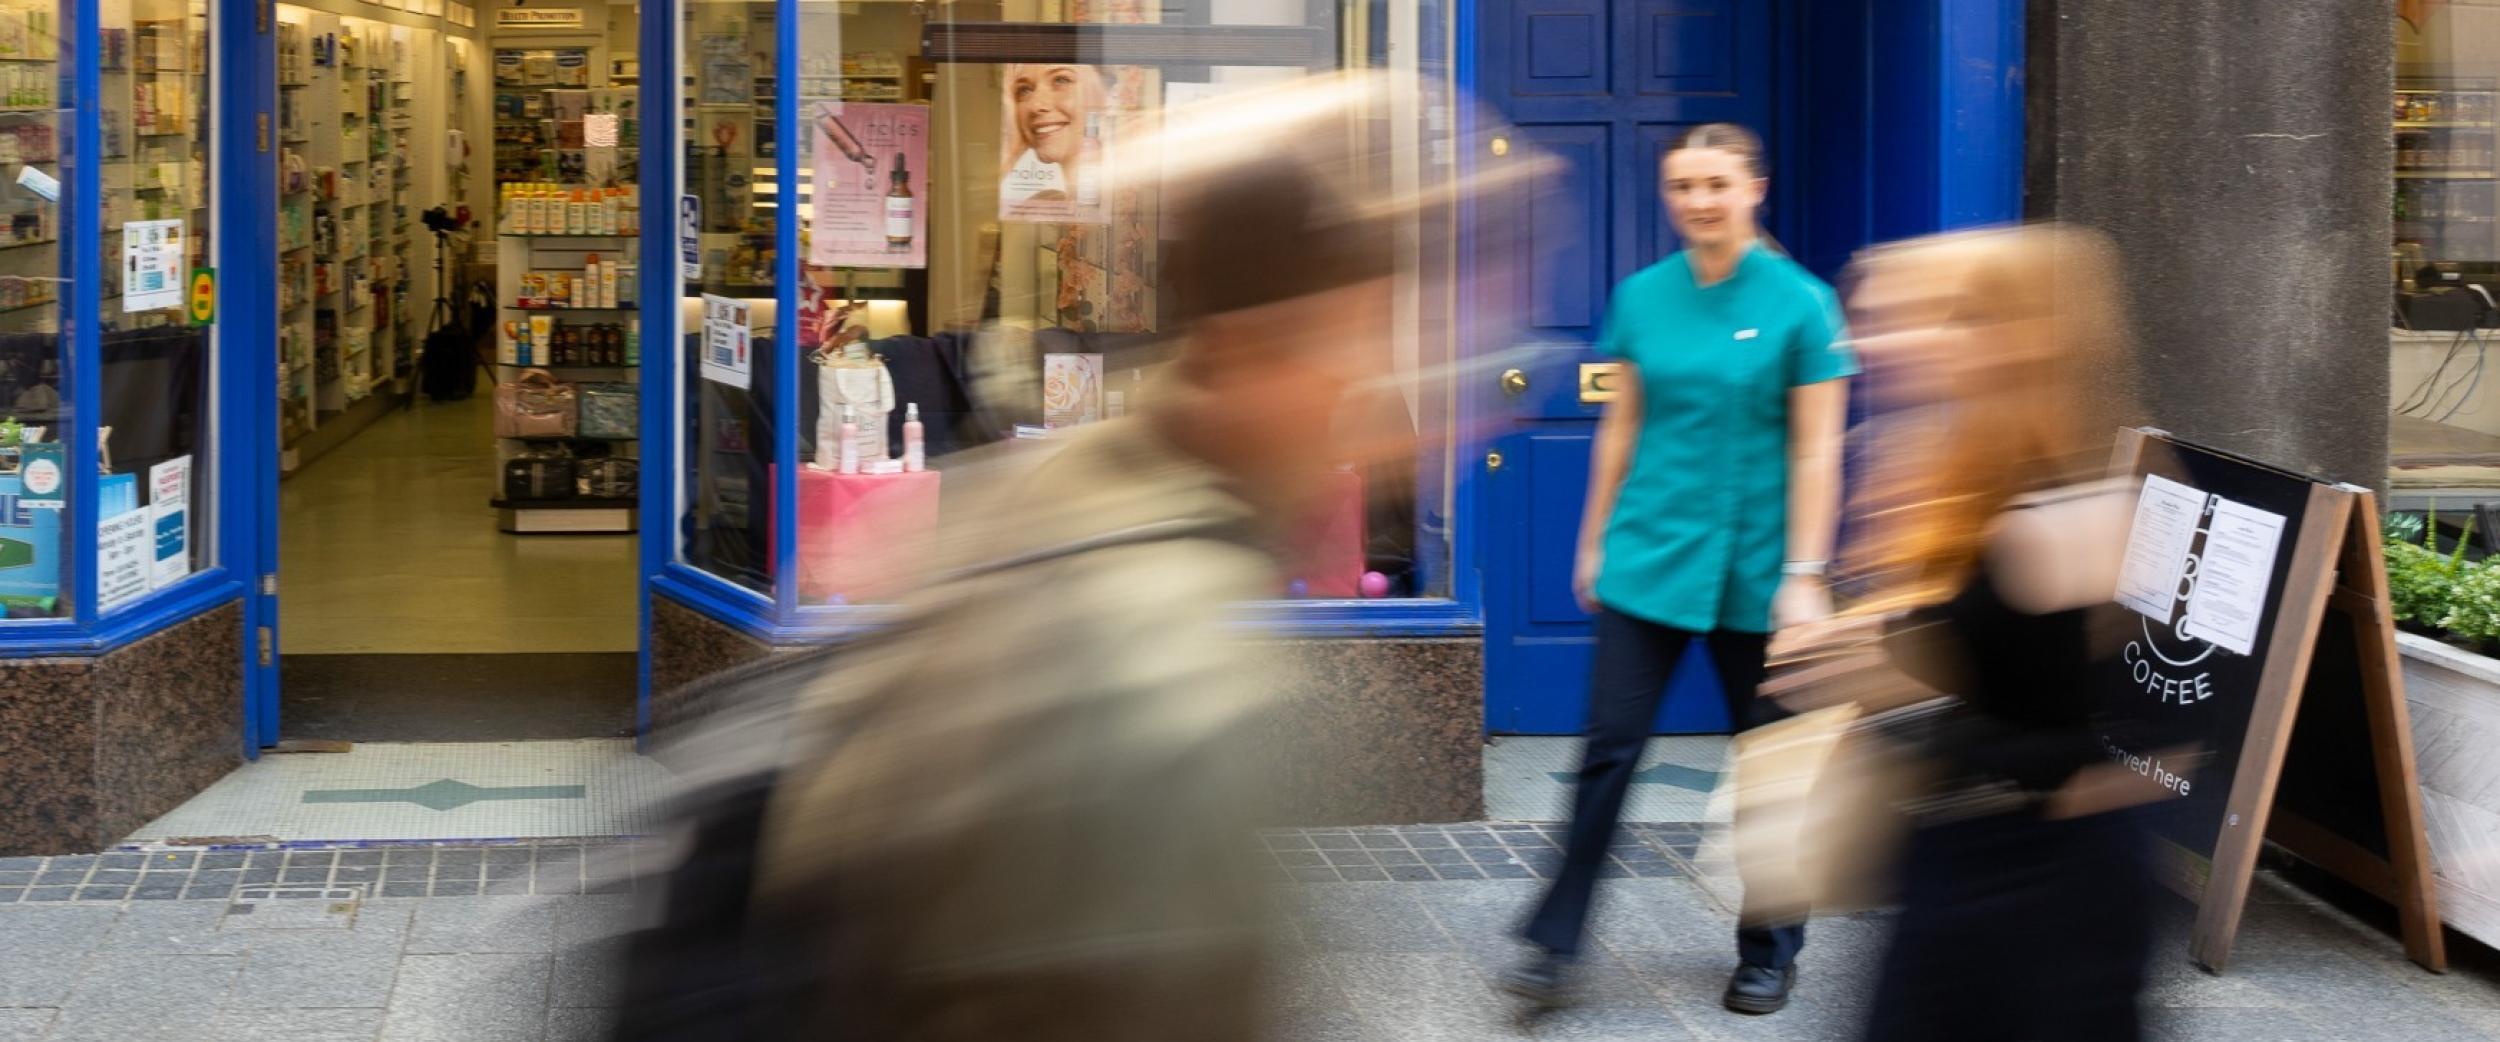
[{"x": 2336, "y": 559}]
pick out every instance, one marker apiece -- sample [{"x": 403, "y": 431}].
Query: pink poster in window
[{"x": 871, "y": 188}]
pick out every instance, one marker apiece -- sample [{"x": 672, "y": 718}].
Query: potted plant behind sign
[{"x": 2447, "y": 607}]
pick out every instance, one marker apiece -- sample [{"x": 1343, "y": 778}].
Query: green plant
[
  {"x": 2474, "y": 605},
  {"x": 2402, "y": 527},
  {"x": 2423, "y": 584}
]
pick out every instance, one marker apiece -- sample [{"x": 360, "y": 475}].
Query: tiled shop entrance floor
[
  {"x": 421, "y": 790},
  {"x": 1529, "y": 779}
]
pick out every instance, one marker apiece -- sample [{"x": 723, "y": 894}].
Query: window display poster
[
  {"x": 871, "y": 178},
  {"x": 1056, "y": 154},
  {"x": 30, "y": 539},
  {"x": 728, "y": 68},
  {"x": 726, "y": 347},
  {"x": 152, "y": 266},
  {"x": 1071, "y": 390},
  {"x": 169, "y": 505},
  {"x": 690, "y": 238},
  {"x": 121, "y": 558}
]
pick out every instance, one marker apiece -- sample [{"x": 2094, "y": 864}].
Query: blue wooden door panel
[
  {"x": 1567, "y": 235},
  {"x": 1559, "y": 48},
  {"x": 1557, "y": 475}
]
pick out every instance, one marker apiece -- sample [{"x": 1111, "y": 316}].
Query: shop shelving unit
[
  {"x": 540, "y": 140},
  {"x": 2447, "y": 143},
  {"x": 30, "y": 134},
  {"x": 352, "y": 277}
]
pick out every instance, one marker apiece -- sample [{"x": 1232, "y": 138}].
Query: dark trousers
[
  {"x": 1628, "y": 680},
  {"x": 2014, "y": 929}
]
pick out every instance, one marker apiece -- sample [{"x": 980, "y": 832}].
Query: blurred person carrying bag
[
  {"x": 717, "y": 961},
  {"x": 1821, "y": 796}
]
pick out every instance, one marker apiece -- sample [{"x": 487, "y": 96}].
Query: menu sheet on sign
[
  {"x": 2166, "y": 515},
  {"x": 152, "y": 265},
  {"x": 2234, "y": 576},
  {"x": 726, "y": 348},
  {"x": 2228, "y": 579}
]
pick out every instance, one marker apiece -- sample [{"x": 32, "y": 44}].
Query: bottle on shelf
[{"x": 915, "y": 445}]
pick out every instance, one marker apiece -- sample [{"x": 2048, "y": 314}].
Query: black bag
[
  {"x": 538, "y": 477},
  {"x": 607, "y": 477},
  {"x": 450, "y": 372}
]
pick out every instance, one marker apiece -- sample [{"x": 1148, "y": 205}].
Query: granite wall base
[
  {"x": 1380, "y": 732},
  {"x": 92, "y": 748}
]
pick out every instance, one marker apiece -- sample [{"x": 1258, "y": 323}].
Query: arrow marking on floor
[
  {"x": 1674, "y": 774},
  {"x": 446, "y": 794}
]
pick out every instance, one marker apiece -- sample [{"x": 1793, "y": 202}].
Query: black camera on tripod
[{"x": 441, "y": 221}]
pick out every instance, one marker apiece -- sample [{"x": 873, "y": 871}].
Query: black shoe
[
  {"x": 1759, "y": 989},
  {"x": 1543, "y": 978}
]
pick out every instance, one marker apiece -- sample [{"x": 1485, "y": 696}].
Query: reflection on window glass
[
  {"x": 2445, "y": 115},
  {"x": 157, "y": 233},
  {"x": 974, "y": 271},
  {"x": 36, "y": 73},
  {"x": 727, "y": 315}
]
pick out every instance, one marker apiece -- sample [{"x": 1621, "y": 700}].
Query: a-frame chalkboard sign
[{"x": 2255, "y": 627}]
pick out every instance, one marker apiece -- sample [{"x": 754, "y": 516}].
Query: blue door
[{"x": 1605, "y": 86}]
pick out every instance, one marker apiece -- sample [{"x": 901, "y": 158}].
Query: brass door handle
[{"x": 1514, "y": 383}]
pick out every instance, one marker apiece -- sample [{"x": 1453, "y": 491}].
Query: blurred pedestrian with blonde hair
[{"x": 1992, "y": 537}]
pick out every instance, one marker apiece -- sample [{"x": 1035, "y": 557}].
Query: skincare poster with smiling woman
[{"x": 1055, "y": 143}]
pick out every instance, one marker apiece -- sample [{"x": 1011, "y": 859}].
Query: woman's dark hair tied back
[{"x": 1730, "y": 138}]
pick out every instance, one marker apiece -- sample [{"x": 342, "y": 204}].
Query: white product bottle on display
[
  {"x": 857, "y": 383},
  {"x": 849, "y": 437},
  {"x": 915, "y": 446}
]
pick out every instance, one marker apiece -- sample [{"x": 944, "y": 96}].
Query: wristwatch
[{"x": 1802, "y": 568}]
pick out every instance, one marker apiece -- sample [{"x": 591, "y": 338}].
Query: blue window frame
[{"x": 222, "y": 520}]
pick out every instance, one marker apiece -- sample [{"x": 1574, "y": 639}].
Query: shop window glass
[
  {"x": 37, "y": 73},
  {"x": 727, "y": 321},
  {"x": 2445, "y": 116},
  {"x": 962, "y": 266},
  {"x": 157, "y": 374}
]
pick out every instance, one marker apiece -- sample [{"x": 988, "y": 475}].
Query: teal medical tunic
[{"x": 1700, "y": 527}]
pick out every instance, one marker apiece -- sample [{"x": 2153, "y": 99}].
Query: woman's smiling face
[{"x": 1051, "y": 103}]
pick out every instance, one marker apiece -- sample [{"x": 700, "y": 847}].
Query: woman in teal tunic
[{"x": 1713, "y": 494}]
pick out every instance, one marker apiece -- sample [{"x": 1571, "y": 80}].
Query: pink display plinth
[
  {"x": 861, "y": 535},
  {"x": 1326, "y": 554}
]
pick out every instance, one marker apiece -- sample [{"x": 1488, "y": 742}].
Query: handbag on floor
[
  {"x": 538, "y": 477},
  {"x": 607, "y": 477},
  {"x": 536, "y": 406}
]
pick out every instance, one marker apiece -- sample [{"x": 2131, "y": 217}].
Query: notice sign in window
[
  {"x": 153, "y": 271},
  {"x": 727, "y": 357}
]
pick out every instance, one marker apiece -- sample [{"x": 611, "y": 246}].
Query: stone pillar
[{"x": 2238, "y": 152}]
